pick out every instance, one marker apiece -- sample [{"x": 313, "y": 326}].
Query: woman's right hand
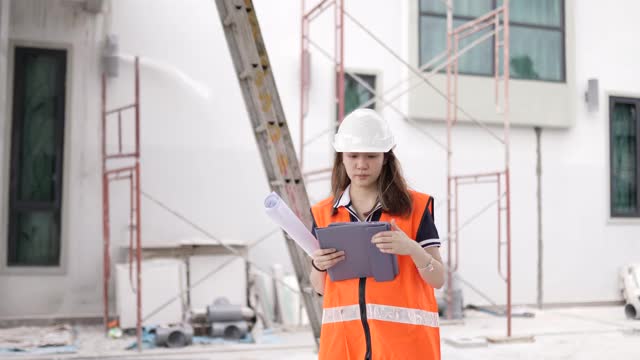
[{"x": 326, "y": 258}]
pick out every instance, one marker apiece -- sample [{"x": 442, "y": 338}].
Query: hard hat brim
[{"x": 363, "y": 149}]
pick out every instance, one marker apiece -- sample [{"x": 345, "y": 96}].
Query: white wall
[
  {"x": 584, "y": 247},
  {"x": 199, "y": 156},
  {"x": 74, "y": 287}
]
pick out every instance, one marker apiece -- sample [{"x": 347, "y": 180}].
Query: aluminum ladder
[{"x": 262, "y": 101}]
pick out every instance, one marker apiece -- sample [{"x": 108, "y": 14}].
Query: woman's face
[{"x": 363, "y": 168}]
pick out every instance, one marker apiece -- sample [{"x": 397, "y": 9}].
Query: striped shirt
[{"x": 427, "y": 233}]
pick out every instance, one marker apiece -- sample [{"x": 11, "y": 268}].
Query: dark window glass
[
  {"x": 624, "y": 131},
  {"x": 36, "y": 157},
  {"x": 536, "y": 43}
]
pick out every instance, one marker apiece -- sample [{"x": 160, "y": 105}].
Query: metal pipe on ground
[
  {"x": 631, "y": 312},
  {"x": 229, "y": 329},
  {"x": 174, "y": 336}
]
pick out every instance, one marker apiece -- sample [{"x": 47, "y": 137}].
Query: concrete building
[{"x": 199, "y": 156}]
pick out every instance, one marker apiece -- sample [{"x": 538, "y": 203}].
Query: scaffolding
[
  {"x": 305, "y": 68},
  {"x": 131, "y": 174},
  {"x": 272, "y": 134},
  {"x": 497, "y": 21},
  {"x": 113, "y": 171}
]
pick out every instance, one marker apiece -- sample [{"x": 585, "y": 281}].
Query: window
[
  {"x": 624, "y": 129},
  {"x": 356, "y": 94},
  {"x": 536, "y": 30},
  {"x": 35, "y": 196}
]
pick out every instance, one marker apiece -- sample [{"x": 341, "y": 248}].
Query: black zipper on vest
[{"x": 363, "y": 316}]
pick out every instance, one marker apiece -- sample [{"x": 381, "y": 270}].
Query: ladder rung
[
  {"x": 246, "y": 74},
  {"x": 308, "y": 290},
  {"x": 276, "y": 183},
  {"x": 285, "y": 181},
  {"x": 229, "y": 20}
]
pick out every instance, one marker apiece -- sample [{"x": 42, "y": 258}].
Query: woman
[{"x": 363, "y": 318}]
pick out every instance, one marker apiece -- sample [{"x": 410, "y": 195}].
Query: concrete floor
[{"x": 572, "y": 333}]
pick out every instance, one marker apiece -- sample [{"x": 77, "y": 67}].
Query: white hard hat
[{"x": 364, "y": 130}]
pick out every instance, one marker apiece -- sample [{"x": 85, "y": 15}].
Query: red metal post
[
  {"x": 131, "y": 222},
  {"x": 138, "y": 224},
  {"x": 137, "y": 102},
  {"x": 138, "y": 259},
  {"x": 457, "y": 231},
  {"x": 339, "y": 51},
  {"x": 500, "y": 230},
  {"x": 455, "y": 87},
  {"x": 119, "y": 132},
  {"x": 303, "y": 70},
  {"x": 496, "y": 48},
  {"x": 105, "y": 210},
  {"x": 449, "y": 159},
  {"x": 105, "y": 250},
  {"x": 507, "y": 125}
]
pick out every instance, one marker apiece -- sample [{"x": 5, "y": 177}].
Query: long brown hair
[{"x": 393, "y": 193}]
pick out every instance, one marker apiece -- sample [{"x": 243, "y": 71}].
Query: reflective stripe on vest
[{"x": 383, "y": 313}]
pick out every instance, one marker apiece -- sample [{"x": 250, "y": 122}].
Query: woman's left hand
[{"x": 394, "y": 241}]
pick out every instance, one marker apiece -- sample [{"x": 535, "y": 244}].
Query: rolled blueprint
[{"x": 282, "y": 215}]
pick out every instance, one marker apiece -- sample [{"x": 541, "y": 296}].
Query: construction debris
[
  {"x": 466, "y": 342},
  {"x": 630, "y": 288},
  {"x": 51, "y": 339},
  {"x": 511, "y": 339}
]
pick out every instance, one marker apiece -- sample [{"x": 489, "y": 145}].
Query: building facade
[{"x": 199, "y": 156}]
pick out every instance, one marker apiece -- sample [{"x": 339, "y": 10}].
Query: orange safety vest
[{"x": 366, "y": 319}]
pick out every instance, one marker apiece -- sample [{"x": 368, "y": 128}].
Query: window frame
[
  {"x": 19, "y": 51},
  {"x": 494, "y": 3},
  {"x": 361, "y": 72},
  {"x": 613, "y": 100}
]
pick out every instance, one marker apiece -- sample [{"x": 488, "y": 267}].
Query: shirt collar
[{"x": 345, "y": 200}]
